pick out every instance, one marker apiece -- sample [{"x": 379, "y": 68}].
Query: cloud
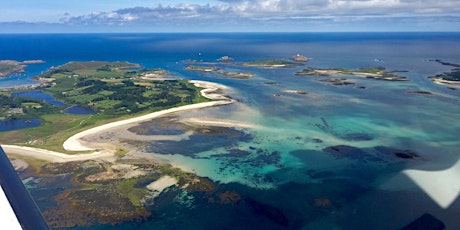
[{"x": 267, "y": 14}]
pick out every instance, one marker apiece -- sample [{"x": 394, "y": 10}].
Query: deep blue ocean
[{"x": 334, "y": 158}]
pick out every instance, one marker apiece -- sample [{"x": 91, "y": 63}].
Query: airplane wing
[{"x": 18, "y": 209}]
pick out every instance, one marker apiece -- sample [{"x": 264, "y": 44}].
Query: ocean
[{"x": 332, "y": 158}]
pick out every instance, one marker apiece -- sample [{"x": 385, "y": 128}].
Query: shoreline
[{"x": 78, "y": 143}]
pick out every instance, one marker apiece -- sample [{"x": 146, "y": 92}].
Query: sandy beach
[
  {"x": 78, "y": 142},
  {"x": 161, "y": 184},
  {"x": 56, "y": 156}
]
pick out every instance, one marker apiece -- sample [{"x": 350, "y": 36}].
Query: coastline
[{"x": 78, "y": 143}]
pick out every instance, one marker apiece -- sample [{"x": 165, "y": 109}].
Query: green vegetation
[
  {"x": 451, "y": 76},
  {"x": 202, "y": 68},
  {"x": 126, "y": 188},
  {"x": 371, "y": 70},
  {"x": 112, "y": 89},
  {"x": 271, "y": 64},
  {"x": 23, "y": 107},
  {"x": 237, "y": 75},
  {"x": 378, "y": 73},
  {"x": 9, "y": 67}
]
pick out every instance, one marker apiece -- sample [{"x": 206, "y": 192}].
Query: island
[
  {"x": 8, "y": 67},
  {"x": 236, "y": 75},
  {"x": 299, "y": 58},
  {"x": 225, "y": 59},
  {"x": 202, "y": 68},
  {"x": 213, "y": 69},
  {"x": 377, "y": 73},
  {"x": 106, "y": 186},
  {"x": 295, "y": 91},
  {"x": 271, "y": 64},
  {"x": 336, "y": 81},
  {"x": 451, "y": 79}
]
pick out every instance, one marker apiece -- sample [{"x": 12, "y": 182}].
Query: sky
[{"x": 31, "y": 16}]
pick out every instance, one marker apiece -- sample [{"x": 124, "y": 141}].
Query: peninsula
[
  {"x": 111, "y": 188},
  {"x": 8, "y": 67}
]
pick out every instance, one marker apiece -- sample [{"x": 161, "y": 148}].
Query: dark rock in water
[
  {"x": 361, "y": 87},
  {"x": 358, "y": 137},
  {"x": 400, "y": 153},
  {"x": 234, "y": 152},
  {"x": 337, "y": 81},
  {"x": 425, "y": 222},
  {"x": 270, "y": 212},
  {"x": 420, "y": 92},
  {"x": 352, "y": 153},
  {"x": 340, "y": 151},
  {"x": 317, "y": 140},
  {"x": 406, "y": 155},
  {"x": 446, "y": 63},
  {"x": 318, "y": 175},
  {"x": 229, "y": 197},
  {"x": 268, "y": 158}
]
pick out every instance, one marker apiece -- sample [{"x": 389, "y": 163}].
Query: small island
[
  {"x": 299, "y": 58},
  {"x": 212, "y": 69},
  {"x": 271, "y": 64},
  {"x": 8, "y": 67},
  {"x": 451, "y": 79},
  {"x": 236, "y": 75},
  {"x": 202, "y": 68},
  {"x": 377, "y": 73},
  {"x": 336, "y": 81},
  {"x": 295, "y": 91},
  {"x": 225, "y": 59}
]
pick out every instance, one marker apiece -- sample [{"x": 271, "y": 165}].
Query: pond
[
  {"x": 40, "y": 95},
  {"x": 78, "y": 110},
  {"x": 9, "y": 125}
]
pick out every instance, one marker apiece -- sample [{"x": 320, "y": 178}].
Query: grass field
[{"x": 110, "y": 89}]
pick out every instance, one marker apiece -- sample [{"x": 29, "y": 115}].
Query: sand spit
[
  {"x": 55, "y": 156},
  {"x": 78, "y": 142},
  {"x": 220, "y": 123}
]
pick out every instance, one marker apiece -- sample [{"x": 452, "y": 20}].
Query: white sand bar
[
  {"x": 78, "y": 143},
  {"x": 161, "y": 184},
  {"x": 54, "y": 156}
]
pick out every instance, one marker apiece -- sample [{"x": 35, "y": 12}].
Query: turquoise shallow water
[{"x": 324, "y": 160}]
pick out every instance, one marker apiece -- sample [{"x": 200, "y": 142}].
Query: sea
[{"x": 333, "y": 158}]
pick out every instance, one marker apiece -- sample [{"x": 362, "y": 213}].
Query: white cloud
[{"x": 239, "y": 14}]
